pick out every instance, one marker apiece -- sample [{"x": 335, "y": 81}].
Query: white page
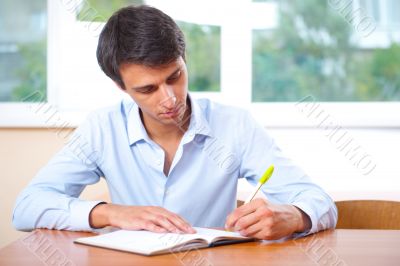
[{"x": 210, "y": 234}]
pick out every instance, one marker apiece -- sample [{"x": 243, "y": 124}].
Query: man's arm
[
  {"x": 51, "y": 199},
  {"x": 295, "y": 204}
]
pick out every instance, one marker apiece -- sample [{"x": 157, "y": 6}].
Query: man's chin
[
  {"x": 171, "y": 121},
  {"x": 177, "y": 121}
]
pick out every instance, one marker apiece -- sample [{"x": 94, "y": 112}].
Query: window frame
[{"x": 236, "y": 86}]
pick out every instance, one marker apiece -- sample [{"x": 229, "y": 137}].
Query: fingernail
[{"x": 189, "y": 229}]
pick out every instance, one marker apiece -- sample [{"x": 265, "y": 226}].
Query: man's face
[{"x": 160, "y": 92}]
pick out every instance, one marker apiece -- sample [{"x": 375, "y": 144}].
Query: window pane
[
  {"x": 371, "y": 8},
  {"x": 202, "y": 56},
  {"x": 101, "y": 10},
  {"x": 312, "y": 52},
  {"x": 23, "y": 29},
  {"x": 394, "y": 11}
]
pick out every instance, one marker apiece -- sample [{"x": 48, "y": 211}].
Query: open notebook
[{"x": 149, "y": 243}]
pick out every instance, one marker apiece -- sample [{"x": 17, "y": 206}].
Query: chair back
[{"x": 368, "y": 214}]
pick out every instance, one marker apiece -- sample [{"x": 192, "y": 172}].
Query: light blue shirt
[{"x": 221, "y": 145}]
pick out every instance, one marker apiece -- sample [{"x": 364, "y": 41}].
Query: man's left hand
[{"x": 263, "y": 220}]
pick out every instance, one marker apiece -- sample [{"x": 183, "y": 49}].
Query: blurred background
[{"x": 322, "y": 76}]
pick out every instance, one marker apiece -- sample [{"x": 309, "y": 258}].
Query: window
[
  {"x": 385, "y": 12},
  {"x": 23, "y": 37},
  {"x": 203, "y": 56},
  {"x": 314, "y": 50},
  {"x": 264, "y": 55}
]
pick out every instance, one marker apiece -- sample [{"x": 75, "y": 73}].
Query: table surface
[{"x": 333, "y": 247}]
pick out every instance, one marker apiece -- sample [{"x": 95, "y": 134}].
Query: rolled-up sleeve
[
  {"x": 289, "y": 184},
  {"x": 51, "y": 200}
]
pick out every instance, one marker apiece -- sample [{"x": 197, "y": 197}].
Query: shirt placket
[{"x": 154, "y": 159}]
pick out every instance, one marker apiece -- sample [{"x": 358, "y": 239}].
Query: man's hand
[
  {"x": 264, "y": 220},
  {"x": 151, "y": 218}
]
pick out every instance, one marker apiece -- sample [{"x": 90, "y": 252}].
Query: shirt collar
[
  {"x": 198, "y": 123},
  {"x": 136, "y": 130}
]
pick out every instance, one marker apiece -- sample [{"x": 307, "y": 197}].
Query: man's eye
[
  {"x": 174, "y": 77},
  {"x": 147, "y": 89}
]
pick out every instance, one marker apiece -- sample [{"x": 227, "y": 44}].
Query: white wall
[{"x": 331, "y": 169}]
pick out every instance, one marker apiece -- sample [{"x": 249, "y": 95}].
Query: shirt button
[{"x": 158, "y": 162}]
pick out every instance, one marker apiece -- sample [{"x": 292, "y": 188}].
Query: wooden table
[{"x": 334, "y": 247}]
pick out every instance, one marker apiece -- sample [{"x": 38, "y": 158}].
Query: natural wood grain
[
  {"x": 332, "y": 247},
  {"x": 368, "y": 214}
]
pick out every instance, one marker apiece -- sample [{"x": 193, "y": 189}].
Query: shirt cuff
[
  {"x": 80, "y": 211},
  {"x": 308, "y": 211}
]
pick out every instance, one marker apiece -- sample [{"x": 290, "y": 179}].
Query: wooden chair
[{"x": 368, "y": 214}]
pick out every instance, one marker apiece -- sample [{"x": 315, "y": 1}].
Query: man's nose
[{"x": 168, "y": 98}]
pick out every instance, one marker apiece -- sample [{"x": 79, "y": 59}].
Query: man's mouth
[{"x": 171, "y": 113}]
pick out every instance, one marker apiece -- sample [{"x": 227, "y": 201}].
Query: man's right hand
[{"x": 151, "y": 218}]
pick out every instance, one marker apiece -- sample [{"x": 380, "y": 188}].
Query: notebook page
[{"x": 210, "y": 234}]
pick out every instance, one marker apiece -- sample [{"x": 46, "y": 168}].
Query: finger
[
  {"x": 142, "y": 224},
  {"x": 165, "y": 222},
  {"x": 252, "y": 230},
  {"x": 181, "y": 224},
  {"x": 265, "y": 234},
  {"x": 247, "y": 220},
  {"x": 155, "y": 228},
  {"x": 262, "y": 228},
  {"x": 238, "y": 213},
  {"x": 157, "y": 216}
]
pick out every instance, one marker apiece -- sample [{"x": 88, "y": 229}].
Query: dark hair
[{"x": 140, "y": 35}]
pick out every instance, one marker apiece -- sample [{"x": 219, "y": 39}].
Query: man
[{"x": 170, "y": 162}]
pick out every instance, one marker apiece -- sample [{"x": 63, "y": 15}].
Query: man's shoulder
[
  {"x": 212, "y": 109},
  {"x": 225, "y": 119},
  {"x": 109, "y": 115}
]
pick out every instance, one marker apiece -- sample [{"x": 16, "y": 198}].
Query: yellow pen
[{"x": 261, "y": 182}]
